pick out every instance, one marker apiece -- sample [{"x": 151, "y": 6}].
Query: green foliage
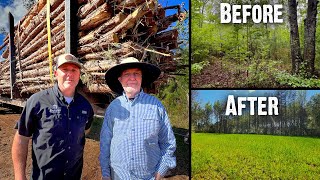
[
  {"x": 313, "y": 104},
  {"x": 260, "y": 73},
  {"x": 254, "y": 157},
  {"x": 95, "y": 128},
  {"x": 196, "y": 68},
  {"x": 201, "y": 116},
  {"x": 286, "y": 79},
  {"x": 174, "y": 94}
]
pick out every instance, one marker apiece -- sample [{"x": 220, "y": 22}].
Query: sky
[
  {"x": 18, "y": 11},
  {"x": 212, "y": 96}
]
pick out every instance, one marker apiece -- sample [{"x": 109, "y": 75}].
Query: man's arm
[
  {"x": 105, "y": 141},
  {"x": 167, "y": 143},
  {"x": 19, "y": 155}
]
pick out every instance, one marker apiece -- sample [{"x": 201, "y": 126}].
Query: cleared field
[{"x": 239, "y": 156}]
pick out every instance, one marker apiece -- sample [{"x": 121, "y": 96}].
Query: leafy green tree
[{"x": 313, "y": 109}]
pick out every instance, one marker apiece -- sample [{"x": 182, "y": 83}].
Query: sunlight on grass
[{"x": 235, "y": 156}]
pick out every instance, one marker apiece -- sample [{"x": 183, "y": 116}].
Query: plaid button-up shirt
[{"x": 136, "y": 139}]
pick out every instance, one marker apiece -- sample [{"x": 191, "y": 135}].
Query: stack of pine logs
[{"x": 108, "y": 31}]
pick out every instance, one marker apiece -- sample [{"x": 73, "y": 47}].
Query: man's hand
[{"x": 157, "y": 176}]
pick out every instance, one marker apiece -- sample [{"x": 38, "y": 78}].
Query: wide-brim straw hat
[{"x": 150, "y": 73}]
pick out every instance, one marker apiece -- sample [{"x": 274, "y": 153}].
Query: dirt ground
[
  {"x": 216, "y": 76},
  {"x": 91, "y": 168}
]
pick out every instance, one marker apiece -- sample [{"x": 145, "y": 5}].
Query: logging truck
[{"x": 98, "y": 32}]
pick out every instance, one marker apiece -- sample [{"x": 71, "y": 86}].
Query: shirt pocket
[{"x": 150, "y": 124}]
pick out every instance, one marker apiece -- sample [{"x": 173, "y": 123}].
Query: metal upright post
[
  {"x": 71, "y": 27},
  {"x": 12, "y": 57}
]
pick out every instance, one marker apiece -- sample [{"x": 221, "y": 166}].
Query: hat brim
[
  {"x": 71, "y": 62},
  {"x": 150, "y": 73}
]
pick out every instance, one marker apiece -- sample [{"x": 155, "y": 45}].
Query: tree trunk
[
  {"x": 294, "y": 37},
  {"x": 310, "y": 36}
]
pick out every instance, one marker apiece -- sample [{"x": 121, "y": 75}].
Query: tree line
[{"x": 298, "y": 116}]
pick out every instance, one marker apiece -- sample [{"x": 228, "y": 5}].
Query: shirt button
[
  {"x": 67, "y": 161},
  {"x": 64, "y": 173},
  {"x": 69, "y": 118},
  {"x": 69, "y": 147},
  {"x": 69, "y": 132}
]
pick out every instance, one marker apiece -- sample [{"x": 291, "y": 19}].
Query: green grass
[{"x": 235, "y": 156}]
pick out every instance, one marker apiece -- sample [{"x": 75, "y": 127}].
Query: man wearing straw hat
[
  {"x": 136, "y": 139},
  {"x": 56, "y": 119}
]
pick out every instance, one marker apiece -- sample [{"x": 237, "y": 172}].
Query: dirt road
[{"x": 91, "y": 168}]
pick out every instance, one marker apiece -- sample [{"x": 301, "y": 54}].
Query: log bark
[
  {"x": 40, "y": 79},
  {"x": 5, "y": 53},
  {"x": 103, "y": 65},
  {"x": 167, "y": 21},
  {"x": 41, "y": 40},
  {"x": 88, "y": 8},
  {"x": 93, "y": 37},
  {"x": 30, "y": 33},
  {"x": 56, "y": 41},
  {"x": 167, "y": 39},
  {"x": 310, "y": 26},
  {"x": 99, "y": 88},
  {"x": 95, "y": 34},
  {"x": 128, "y": 3},
  {"x": 5, "y": 91},
  {"x": 42, "y": 54},
  {"x": 296, "y": 57},
  {"x": 5, "y": 43},
  {"x": 34, "y": 88},
  {"x": 131, "y": 20},
  {"x": 39, "y": 19},
  {"x": 34, "y": 73},
  {"x": 4, "y": 86},
  {"x": 37, "y": 65},
  {"x": 97, "y": 17},
  {"x": 93, "y": 56},
  {"x": 99, "y": 45},
  {"x": 31, "y": 13}
]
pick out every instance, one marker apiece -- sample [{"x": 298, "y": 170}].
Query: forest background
[
  {"x": 256, "y": 55},
  {"x": 299, "y": 113}
]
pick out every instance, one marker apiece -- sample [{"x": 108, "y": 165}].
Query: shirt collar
[
  {"x": 136, "y": 97},
  {"x": 59, "y": 94}
]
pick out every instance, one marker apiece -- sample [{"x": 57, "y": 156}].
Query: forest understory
[
  {"x": 222, "y": 73},
  {"x": 215, "y": 75}
]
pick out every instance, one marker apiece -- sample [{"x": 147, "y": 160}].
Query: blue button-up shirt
[
  {"x": 58, "y": 133},
  {"x": 136, "y": 139}
]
